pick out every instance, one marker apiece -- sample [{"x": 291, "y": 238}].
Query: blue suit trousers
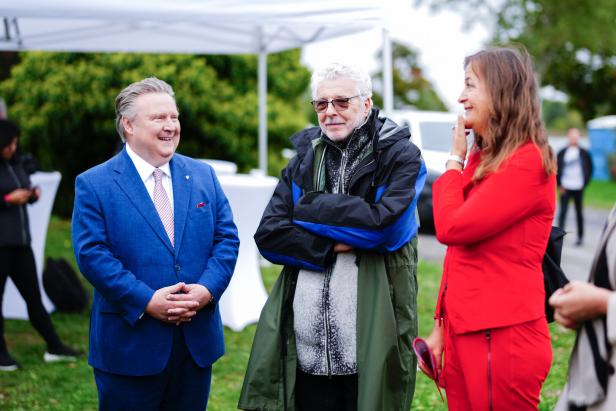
[{"x": 182, "y": 385}]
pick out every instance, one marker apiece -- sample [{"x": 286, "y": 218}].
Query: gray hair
[
  {"x": 125, "y": 101},
  {"x": 338, "y": 70},
  {"x": 3, "y": 113}
]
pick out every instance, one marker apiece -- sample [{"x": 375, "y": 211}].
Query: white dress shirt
[
  {"x": 572, "y": 173},
  {"x": 145, "y": 171}
]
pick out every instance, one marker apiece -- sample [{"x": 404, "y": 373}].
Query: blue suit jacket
[{"x": 122, "y": 248}]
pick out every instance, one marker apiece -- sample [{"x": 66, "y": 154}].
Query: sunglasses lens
[
  {"x": 341, "y": 103},
  {"x": 320, "y": 105}
]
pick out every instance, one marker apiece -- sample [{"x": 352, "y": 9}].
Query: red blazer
[{"x": 496, "y": 231}]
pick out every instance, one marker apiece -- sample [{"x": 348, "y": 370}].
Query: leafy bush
[{"x": 64, "y": 103}]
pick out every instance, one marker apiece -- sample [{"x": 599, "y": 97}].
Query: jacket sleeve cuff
[
  {"x": 134, "y": 312},
  {"x": 215, "y": 292},
  {"x": 5, "y": 201}
]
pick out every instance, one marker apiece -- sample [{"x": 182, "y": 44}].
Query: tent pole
[
  {"x": 263, "y": 111},
  {"x": 388, "y": 85}
]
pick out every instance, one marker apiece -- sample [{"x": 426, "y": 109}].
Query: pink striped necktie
[{"x": 162, "y": 203}]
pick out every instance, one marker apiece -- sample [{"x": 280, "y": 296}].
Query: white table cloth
[{"x": 248, "y": 196}]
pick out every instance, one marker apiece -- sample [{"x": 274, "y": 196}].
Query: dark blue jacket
[
  {"x": 302, "y": 223},
  {"x": 122, "y": 248}
]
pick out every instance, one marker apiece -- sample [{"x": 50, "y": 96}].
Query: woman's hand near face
[
  {"x": 458, "y": 146},
  {"x": 460, "y": 141},
  {"x": 577, "y": 302}
]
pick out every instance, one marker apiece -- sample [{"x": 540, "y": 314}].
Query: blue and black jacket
[{"x": 302, "y": 223}]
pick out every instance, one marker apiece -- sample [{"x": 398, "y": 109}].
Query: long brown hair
[{"x": 515, "y": 113}]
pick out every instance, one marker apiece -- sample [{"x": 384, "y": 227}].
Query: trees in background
[
  {"x": 558, "y": 117},
  {"x": 411, "y": 88},
  {"x": 64, "y": 104},
  {"x": 573, "y": 43}
]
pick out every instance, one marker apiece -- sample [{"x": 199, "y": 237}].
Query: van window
[{"x": 436, "y": 135}]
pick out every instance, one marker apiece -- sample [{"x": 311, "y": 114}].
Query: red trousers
[{"x": 499, "y": 369}]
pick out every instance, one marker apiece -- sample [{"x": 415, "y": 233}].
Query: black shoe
[
  {"x": 578, "y": 242},
  {"x": 61, "y": 353},
  {"x": 8, "y": 363}
]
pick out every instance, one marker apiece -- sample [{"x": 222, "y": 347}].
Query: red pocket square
[{"x": 201, "y": 204}]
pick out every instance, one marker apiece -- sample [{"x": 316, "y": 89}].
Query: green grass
[
  {"x": 67, "y": 387},
  {"x": 600, "y": 194}
]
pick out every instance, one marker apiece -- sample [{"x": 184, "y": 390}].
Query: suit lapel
[
  {"x": 182, "y": 182},
  {"x": 130, "y": 182}
]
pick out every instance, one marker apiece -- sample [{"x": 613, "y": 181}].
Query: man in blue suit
[{"x": 154, "y": 234}]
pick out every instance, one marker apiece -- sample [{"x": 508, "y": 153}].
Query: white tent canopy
[
  {"x": 181, "y": 26},
  {"x": 186, "y": 26}
]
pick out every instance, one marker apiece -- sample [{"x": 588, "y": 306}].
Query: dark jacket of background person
[
  {"x": 15, "y": 229},
  {"x": 586, "y": 164},
  {"x": 378, "y": 219},
  {"x": 16, "y": 256},
  {"x": 497, "y": 233}
]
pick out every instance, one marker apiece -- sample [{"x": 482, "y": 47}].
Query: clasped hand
[
  {"x": 577, "y": 302},
  {"x": 178, "y": 303}
]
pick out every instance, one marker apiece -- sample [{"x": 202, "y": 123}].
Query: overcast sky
[{"x": 440, "y": 38}]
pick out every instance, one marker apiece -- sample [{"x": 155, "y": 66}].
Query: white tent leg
[
  {"x": 388, "y": 84},
  {"x": 263, "y": 112}
]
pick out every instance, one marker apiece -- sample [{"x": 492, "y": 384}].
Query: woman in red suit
[{"x": 495, "y": 215}]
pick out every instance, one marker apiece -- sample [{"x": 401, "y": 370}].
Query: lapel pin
[
  {"x": 188, "y": 177},
  {"x": 201, "y": 204}
]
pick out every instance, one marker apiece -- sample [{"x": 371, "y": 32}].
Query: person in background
[
  {"x": 337, "y": 329},
  {"x": 591, "y": 309},
  {"x": 574, "y": 173},
  {"x": 154, "y": 234},
  {"x": 16, "y": 257},
  {"x": 494, "y": 210}
]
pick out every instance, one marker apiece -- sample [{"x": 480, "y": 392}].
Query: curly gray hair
[{"x": 338, "y": 70}]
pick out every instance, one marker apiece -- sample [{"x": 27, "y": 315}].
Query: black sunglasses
[{"x": 340, "y": 104}]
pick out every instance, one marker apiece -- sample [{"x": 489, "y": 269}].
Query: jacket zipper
[
  {"x": 440, "y": 314},
  {"x": 320, "y": 169},
  {"x": 356, "y": 173},
  {"x": 442, "y": 299},
  {"x": 489, "y": 339},
  {"x": 21, "y": 207},
  {"x": 343, "y": 164},
  {"x": 328, "y": 275}
]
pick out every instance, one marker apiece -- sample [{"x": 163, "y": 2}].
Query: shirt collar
[{"x": 144, "y": 168}]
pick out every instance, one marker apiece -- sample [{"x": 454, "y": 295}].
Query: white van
[{"x": 431, "y": 131}]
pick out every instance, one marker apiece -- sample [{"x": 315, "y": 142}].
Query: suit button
[{"x": 177, "y": 267}]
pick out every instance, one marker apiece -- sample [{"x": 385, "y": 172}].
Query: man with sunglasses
[{"x": 337, "y": 329}]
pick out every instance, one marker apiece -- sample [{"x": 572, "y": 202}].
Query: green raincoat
[{"x": 386, "y": 326}]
